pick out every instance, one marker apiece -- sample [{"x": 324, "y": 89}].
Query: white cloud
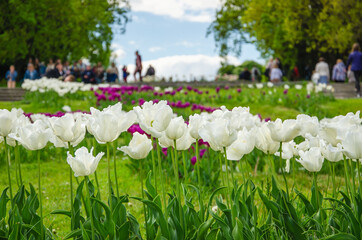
[
  {"x": 131, "y": 42},
  {"x": 188, "y": 10},
  {"x": 154, "y": 49},
  {"x": 185, "y": 67}
]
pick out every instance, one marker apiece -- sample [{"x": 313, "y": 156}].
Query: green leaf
[
  {"x": 157, "y": 212},
  {"x": 238, "y": 231},
  {"x": 204, "y": 227},
  {"x": 61, "y": 212},
  {"x": 340, "y": 236}
]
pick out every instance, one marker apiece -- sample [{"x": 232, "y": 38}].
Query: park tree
[
  {"x": 297, "y": 31},
  {"x": 65, "y": 29}
]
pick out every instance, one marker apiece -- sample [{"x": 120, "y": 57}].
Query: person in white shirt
[
  {"x": 322, "y": 69},
  {"x": 276, "y": 74}
]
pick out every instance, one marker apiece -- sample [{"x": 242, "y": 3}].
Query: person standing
[
  {"x": 138, "y": 67},
  {"x": 355, "y": 59},
  {"x": 322, "y": 69},
  {"x": 255, "y": 74},
  {"x": 11, "y": 76},
  {"x": 276, "y": 74},
  {"x": 339, "y": 71},
  {"x": 125, "y": 73}
]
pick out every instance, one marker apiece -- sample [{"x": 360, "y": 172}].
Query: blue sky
[{"x": 173, "y": 39}]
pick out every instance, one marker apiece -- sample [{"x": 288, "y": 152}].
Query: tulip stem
[
  {"x": 331, "y": 165},
  {"x": 9, "y": 176},
  {"x": 222, "y": 175},
  {"x": 95, "y": 172},
  {"x": 154, "y": 164},
  {"x": 316, "y": 189},
  {"x": 227, "y": 176},
  {"x": 346, "y": 176},
  {"x": 142, "y": 194},
  {"x": 353, "y": 178},
  {"x": 175, "y": 171},
  {"x": 161, "y": 178},
  {"x": 359, "y": 175},
  {"x": 71, "y": 189},
  {"x": 115, "y": 168},
  {"x": 16, "y": 171},
  {"x": 40, "y": 198},
  {"x": 17, "y": 159},
  {"x": 89, "y": 205},
  {"x": 109, "y": 176},
  {"x": 99, "y": 190},
  {"x": 198, "y": 164},
  {"x": 282, "y": 169},
  {"x": 178, "y": 186},
  {"x": 185, "y": 167}
]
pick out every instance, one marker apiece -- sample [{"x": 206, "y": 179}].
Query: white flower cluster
[
  {"x": 235, "y": 131},
  {"x": 52, "y": 84}
]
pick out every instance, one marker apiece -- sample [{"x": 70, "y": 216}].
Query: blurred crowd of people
[{"x": 67, "y": 72}]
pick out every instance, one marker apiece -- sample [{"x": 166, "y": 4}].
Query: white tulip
[
  {"x": 185, "y": 142},
  {"x": 83, "y": 163},
  {"x": 284, "y": 131},
  {"x": 312, "y": 160},
  {"x": 7, "y": 120},
  {"x": 176, "y": 128},
  {"x": 352, "y": 143},
  {"x": 68, "y": 128},
  {"x": 263, "y": 140},
  {"x": 332, "y": 154},
  {"x": 154, "y": 118},
  {"x": 196, "y": 122},
  {"x": 139, "y": 147},
  {"x": 218, "y": 133},
  {"x": 107, "y": 125},
  {"x": 288, "y": 150},
  {"x": 33, "y": 136},
  {"x": 308, "y": 124},
  {"x": 244, "y": 144}
]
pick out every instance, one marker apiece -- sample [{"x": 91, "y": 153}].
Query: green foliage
[
  {"x": 68, "y": 29},
  {"x": 236, "y": 70},
  {"x": 296, "y": 31}
]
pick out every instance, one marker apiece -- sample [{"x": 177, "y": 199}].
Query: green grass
[{"x": 332, "y": 108}]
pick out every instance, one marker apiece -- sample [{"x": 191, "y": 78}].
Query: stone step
[{"x": 13, "y": 94}]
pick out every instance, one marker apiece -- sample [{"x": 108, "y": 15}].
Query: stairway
[
  {"x": 344, "y": 90},
  {"x": 11, "y": 94}
]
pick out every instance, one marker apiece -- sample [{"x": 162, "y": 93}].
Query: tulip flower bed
[
  {"x": 144, "y": 172},
  {"x": 287, "y": 101}
]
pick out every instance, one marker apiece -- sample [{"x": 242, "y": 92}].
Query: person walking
[
  {"x": 355, "y": 60},
  {"x": 322, "y": 69},
  {"x": 138, "y": 67},
  {"x": 339, "y": 71},
  {"x": 11, "y": 76}
]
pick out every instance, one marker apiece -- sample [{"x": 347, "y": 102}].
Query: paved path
[{"x": 344, "y": 90}]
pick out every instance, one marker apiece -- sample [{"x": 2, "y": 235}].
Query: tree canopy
[
  {"x": 297, "y": 31},
  {"x": 65, "y": 29}
]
